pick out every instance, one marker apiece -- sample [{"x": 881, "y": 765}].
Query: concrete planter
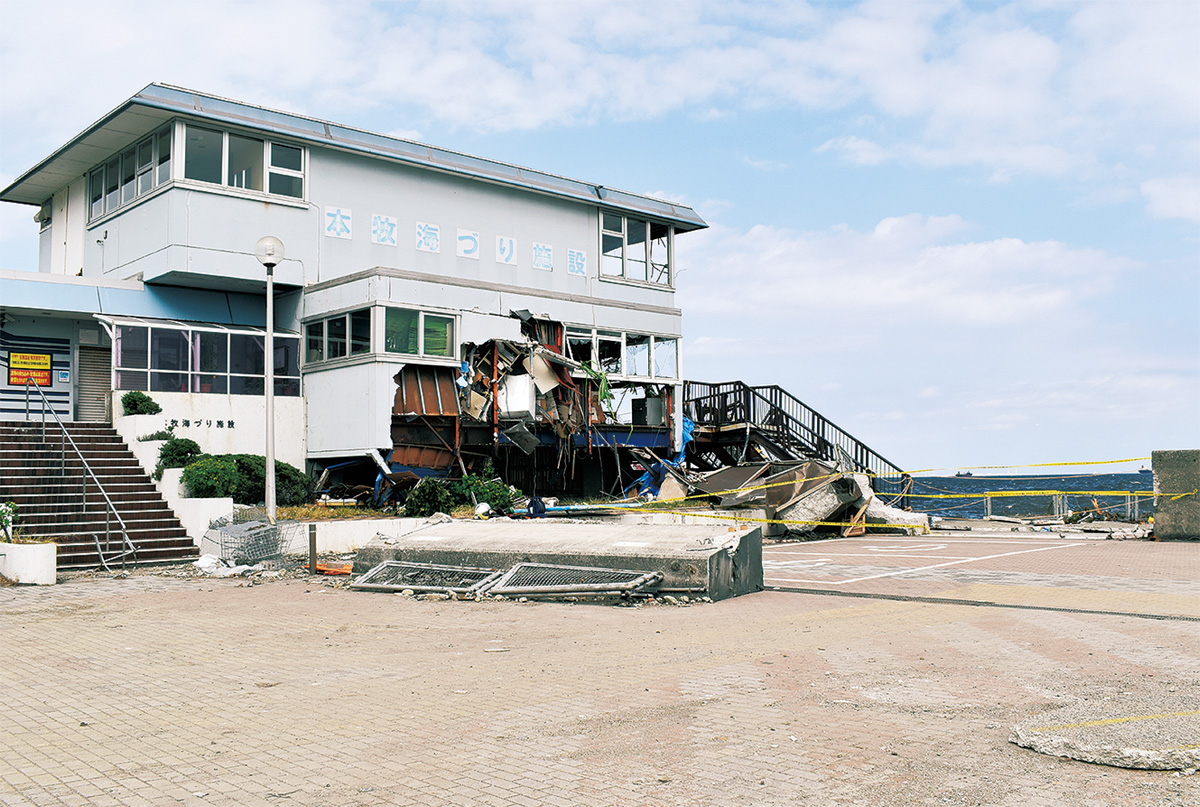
[{"x": 31, "y": 564}]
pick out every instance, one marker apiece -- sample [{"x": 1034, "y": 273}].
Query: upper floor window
[
  {"x": 635, "y": 249},
  {"x": 418, "y": 333},
  {"x": 240, "y": 161},
  {"x": 135, "y": 172}
]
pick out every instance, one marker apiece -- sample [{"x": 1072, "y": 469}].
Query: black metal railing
[
  {"x": 790, "y": 424},
  {"x": 127, "y": 546}
]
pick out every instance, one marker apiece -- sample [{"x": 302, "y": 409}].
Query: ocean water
[{"x": 1079, "y": 491}]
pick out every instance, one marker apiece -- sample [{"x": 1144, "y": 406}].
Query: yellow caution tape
[{"x": 1114, "y": 720}]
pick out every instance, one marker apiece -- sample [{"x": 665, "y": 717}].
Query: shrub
[
  {"x": 428, "y": 497},
  {"x": 210, "y": 477},
  {"x": 177, "y": 452},
  {"x": 441, "y": 496},
  {"x": 292, "y": 486},
  {"x": 161, "y": 434},
  {"x": 139, "y": 403},
  {"x": 8, "y": 518}
]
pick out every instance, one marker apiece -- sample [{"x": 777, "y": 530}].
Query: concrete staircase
[{"x": 49, "y": 492}]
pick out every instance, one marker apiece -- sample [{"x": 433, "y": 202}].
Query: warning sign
[{"x": 23, "y": 366}]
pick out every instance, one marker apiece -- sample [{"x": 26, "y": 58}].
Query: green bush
[
  {"x": 292, "y": 486},
  {"x": 243, "y": 477},
  {"x": 441, "y": 496},
  {"x": 428, "y": 497},
  {"x": 210, "y": 477},
  {"x": 161, "y": 434},
  {"x": 177, "y": 452},
  {"x": 139, "y": 403}
]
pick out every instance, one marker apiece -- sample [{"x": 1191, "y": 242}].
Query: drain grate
[
  {"x": 542, "y": 578},
  {"x": 395, "y": 575}
]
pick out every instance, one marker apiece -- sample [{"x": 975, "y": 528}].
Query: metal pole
[
  {"x": 269, "y": 349},
  {"x": 312, "y": 548}
]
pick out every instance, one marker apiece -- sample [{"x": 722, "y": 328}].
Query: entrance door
[{"x": 95, "y": 384}]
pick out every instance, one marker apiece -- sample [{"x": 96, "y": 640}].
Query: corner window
[
  {"x": 239, "y": 161},
  {"x": 131, "y": 174},
  {"x": 635, "y": 249}
]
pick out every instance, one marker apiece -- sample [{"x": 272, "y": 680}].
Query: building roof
[{"x": 159, "y": 103}]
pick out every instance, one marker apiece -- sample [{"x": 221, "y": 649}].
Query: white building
[{"x": 396, "y": 339}]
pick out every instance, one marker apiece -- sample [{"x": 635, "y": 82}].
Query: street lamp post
[{"x": 269, "y": 251}]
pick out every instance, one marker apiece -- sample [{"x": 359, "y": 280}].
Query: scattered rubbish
[
  {"x": 334, "y": 568},
  {"x": 216, "y": 567}
]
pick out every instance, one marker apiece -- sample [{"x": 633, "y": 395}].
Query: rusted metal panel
[
  {"x": 424, "y": 390},
  {"x": 422, "y": 457}
]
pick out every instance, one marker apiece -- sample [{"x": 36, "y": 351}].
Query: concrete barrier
[
  {"x": 31, "y": 564},
  {"x": 1176, "y": 472}
]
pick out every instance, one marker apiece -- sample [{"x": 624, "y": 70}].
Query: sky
[{"x": 967, "y": 233}]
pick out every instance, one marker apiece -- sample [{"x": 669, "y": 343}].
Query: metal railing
[
  {"x": 127, "y": 546},
  {"x": 791, "y": 424}
]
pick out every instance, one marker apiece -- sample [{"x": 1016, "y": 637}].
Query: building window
[
  {"x": 335, "y": 337},
  {"x": 418, "y": 333},
  {"x": 635, "y": 249},
  {"x": 627, "y": 355},
  {"x": 129, "y": 175},
  {"x": 237, "y": 161},
  {"x": 163, "y": 359}
]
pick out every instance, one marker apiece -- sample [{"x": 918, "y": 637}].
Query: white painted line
[
  {"x": 889, "y": 555},
  {"x": 632, "y": 543},
  {"x": 899, "y": 548},
  {"x": 934, "y": 566}
]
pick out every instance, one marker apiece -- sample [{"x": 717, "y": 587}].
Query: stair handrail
[
  {"x": 821, "y": 436},
  {"x": 31, "y": 383}
]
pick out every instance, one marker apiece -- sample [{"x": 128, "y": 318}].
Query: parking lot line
[{"x": 899, "y": 572}]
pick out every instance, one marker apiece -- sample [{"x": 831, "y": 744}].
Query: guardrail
[{"x": 126, "y": 544}]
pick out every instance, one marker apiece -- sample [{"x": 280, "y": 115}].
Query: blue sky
[{"x": 969, "y": 233}]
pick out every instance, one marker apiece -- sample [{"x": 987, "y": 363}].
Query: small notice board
[{"x": 23, "y": 366}]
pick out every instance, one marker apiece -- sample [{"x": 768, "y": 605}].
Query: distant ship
[
  {"x": 1144, "y": 470},
  {"x": 964, "y": 473}
]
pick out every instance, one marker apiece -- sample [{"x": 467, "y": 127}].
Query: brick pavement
[{"x": 159, "y": 691}]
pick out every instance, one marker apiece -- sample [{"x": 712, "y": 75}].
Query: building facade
[{"x": 432, "y": 310}]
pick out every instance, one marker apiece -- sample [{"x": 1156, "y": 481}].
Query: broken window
[
  {"x": 635, "y": 249},
  {"x": 637, "y": 354},
  {"x": 608, "y": 352},
  {"x": 666, "y": 357},
  {"x": 579, "y": 345}
]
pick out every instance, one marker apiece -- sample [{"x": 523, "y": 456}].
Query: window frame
[
  {"x": 194, "y": 377},
  {"x": 647, "y": 249},
  {"x": 577, "y": 333},
  {"x": 268, "y": 169},
  {"x": 113, "y": 185}
]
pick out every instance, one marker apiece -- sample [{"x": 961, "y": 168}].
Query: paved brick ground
[{"x": 158, "y": 691}]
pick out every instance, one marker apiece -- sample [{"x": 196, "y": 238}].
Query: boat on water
[
  {"x": 964, "y": 473},
  {"x": 1144, "y": 470}
]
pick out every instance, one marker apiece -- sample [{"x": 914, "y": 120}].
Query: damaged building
[{"x": 433, "y": 310}]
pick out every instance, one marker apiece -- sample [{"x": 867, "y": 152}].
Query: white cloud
[
  {"x": 1173, "y": 197},
  {"x": 857, "y": 150}
]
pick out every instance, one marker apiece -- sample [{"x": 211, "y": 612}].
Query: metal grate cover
[
  {"x": 542, "y": 578},
  {"x": 395, "y": 575}
]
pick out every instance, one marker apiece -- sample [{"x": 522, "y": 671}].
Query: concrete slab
[
  {"x": 1154, "y": 730},
  {"x": 719, "y": 561}
]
